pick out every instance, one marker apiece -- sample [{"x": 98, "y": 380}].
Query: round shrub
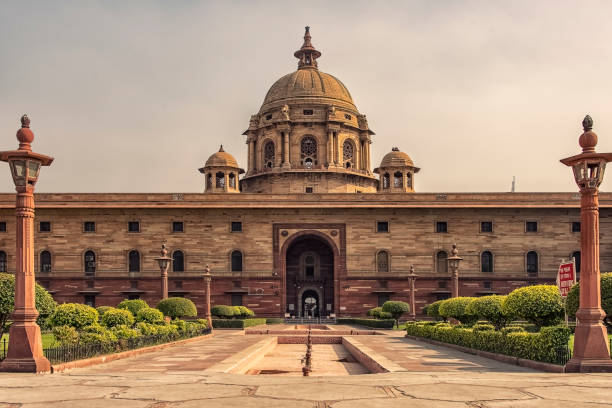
[
  {"x": 149, "y": 315},
  {"x": 457, "y": 308},
  {"x": 385, "y": 315},
  {"x": 433, "y": 310},
  {"x": 245, "y": 312},
  {"x": 65, "y": 335},
  {"x": 103, "y": 309},
  {"x": 117, "y": 317},
  {"x": 96, "y": 334},
  {"x": 132, "y": 305},
  {"x": 490, "y": 308},
  {"x": 572, "y": 302},
  {"x": 222, "y": 311},
  {"x": 539, "y": 304},
  {"x": 374, "y": 312},
  {"x": 176, "y": 307},
  {"x": 74, "y": 314},
  {"x": 396, "y": 308}
]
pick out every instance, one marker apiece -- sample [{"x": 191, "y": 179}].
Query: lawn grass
[{"x": 48, "y": 340}]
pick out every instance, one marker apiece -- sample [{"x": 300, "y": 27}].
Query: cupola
[
  {"x": 396, "y": 173},
  {"x": 221, "y": 173}
]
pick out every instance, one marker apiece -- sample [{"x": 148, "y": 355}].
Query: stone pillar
[
  {"x": 368, "y": 163},
  {"x": 336, "y": 149},
  {"x": 251, "y": 159},
  {"x": 25, "y": 352},
  {"x": 207, "y": 279},
  {"x": 286, "y": 153},
  {"x": 330, "y": 148},
  {"x": 412, "y": 277}
]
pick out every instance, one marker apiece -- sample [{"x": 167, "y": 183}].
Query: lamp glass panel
[
  {"x": 19, "y": 169},
  {"x": 33, "y": 168}
]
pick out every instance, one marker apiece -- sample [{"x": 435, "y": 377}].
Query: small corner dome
[
  {"x": 221, "y": 159},
  {"x": 395, "y": 158}
]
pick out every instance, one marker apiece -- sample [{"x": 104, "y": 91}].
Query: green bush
[
  {"x": 483, "y": 327},
  {"x": 43, "y": 300},
  {"x": 457, "y": 308},
  {"x": 103, "y": 309},
  {"x": 513, "y": 329},
  {"x": 374, "y": 312},
  {"x": 96, "y": 334},
  {"x": 237, "y": 324},
  {"x": 274, "y": 320},
  {"x": 540, "y": 346},
  {"x": 147, "y": 329},
  {"x": 433, "y": 310},
  {"x": 539, "y": 304},
  {"x": 204, "y": 323},
  {"x": 169, "y": 330},
  {"x": 490, "y": 308},
  {"x": 396, "y": 309},
  {"x": 244, "y": 312},
  {"x": 65, "y": 335},
  {"x": 177, "y": 307},
  {"x": 222, "y": 311},
  {"x": 180, "y": 325},
  {"x": 374, "y": 323},
  {"x": 149, "y": 315},
  {"x": 385, "y": 315},
  {"x": 73, "y": 314},
  {"x": 133, "y": 305},
  {"x": 117, "y": 317},
  {"x": 572, "y": 302},
  {"x": 124, "y": 332}
]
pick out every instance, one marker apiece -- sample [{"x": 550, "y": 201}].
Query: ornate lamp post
[
  {"x": 207, "y": 278},
  {"x": 453, "y": 264},
  {"x": 164, "y": 262},
  {"x": 411, "y": 278},
  {"x": 591, "y": 353},
  {"x": 25, "y": 344}
]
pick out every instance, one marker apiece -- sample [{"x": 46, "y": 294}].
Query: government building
[{"x": 309, "y": 223}]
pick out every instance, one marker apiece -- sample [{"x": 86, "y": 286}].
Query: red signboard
[{"x": 566, "y": 277}]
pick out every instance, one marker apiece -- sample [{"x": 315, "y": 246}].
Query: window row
[
  {"x": 132, "y": 226},
  {"x": 398, "y": 180},
  {"x": 485, "y": 226}
]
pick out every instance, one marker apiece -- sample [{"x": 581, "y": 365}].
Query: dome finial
[
  {"x": 307, "y": 55},
  {"x": 221, "y": 148},
  {"x": 588, "y": 139},
  {"x": 587, "y": 123}
]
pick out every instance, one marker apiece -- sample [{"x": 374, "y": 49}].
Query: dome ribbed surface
[
  {"x": 221, "y": 159},
  {"x": 396, "y": 159}
]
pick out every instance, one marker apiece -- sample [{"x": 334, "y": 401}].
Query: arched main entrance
[{"x": 309, "y": 277}]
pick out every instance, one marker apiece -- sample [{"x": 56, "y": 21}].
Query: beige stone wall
[{"x": 321, "y": 182}]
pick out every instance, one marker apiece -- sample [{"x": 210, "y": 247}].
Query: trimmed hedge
[
  {"x": 177, "y": 307},
  {"x": 150, "y": 315},
  {"x": 457, "y": 308},
  {"x": 74, "y": 314},
  {"x": 274, "y": 320},
  {"x": 375, "y": 323},
  {"x": 540, "y": 346},
  {"x": 237, "y": 323},
  {"x": 133, "y": 305},
  {"x": 395, "y": 308},
  {"x": 117, "y": 317},
  {"x": 433, "y": 310},
  {"x": 490, "y": 308},
  {"x": 539, "y": 304}
]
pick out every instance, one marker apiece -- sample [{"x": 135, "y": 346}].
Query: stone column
[
  {"x": 207, "y": 279},
  {"x": 25, "y": 352},
  {"x": 368, "y": 162},
  {"x": 251, "y": 158},
  {"x": 336, "y": 149},
  {"x": 287, "y": 156},
  {"x": 330, "y": 148},
  {"x": 412, "y": 277}
]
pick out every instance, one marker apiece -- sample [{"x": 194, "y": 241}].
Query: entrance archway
[{"x": 309, "y": 274}]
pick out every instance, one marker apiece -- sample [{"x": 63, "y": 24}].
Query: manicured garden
[{"x": 234, "y": 317}]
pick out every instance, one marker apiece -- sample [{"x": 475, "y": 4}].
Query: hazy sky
[{"x": 134, "y": 96}]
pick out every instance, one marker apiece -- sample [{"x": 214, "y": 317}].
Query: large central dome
[{"x": 312, "y": 84}]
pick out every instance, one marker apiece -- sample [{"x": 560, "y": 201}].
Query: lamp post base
[
  {"x": 588, "y": 365},
  {"x": 26, "y": 365},
  {"x": 25, "y": 350}
]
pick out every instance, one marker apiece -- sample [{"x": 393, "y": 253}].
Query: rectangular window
[
  {"x": 531, "y": 226},
  {"x": 487, "y": 285},
  {"x": 236, "y": 226},
  {"x": 486, "y": 226},
  {"x": 308, "y": 112},
  {"x": 133, "y": 226},
  {"x": 382, "y": 298},
  {"x": 177, "y": 226},
  {"x": 90, "y": 300},
  {"x": 382, "y": 226},
  {"x": 442, "y": 285},
  {"x": 133, "y": 297},
  {"x": 441, "y": 226},
  {"x": 309, "y": 190},
  {"x": 236, "y": 299},
  {"x": 2, "y": 226},
  {"x": 575, "y": 226},
  {"x": 89, "y": 226},
  {"x": 45, "y": 226},
  {"x": 269, "y": 116}
]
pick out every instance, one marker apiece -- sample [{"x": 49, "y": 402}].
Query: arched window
[
  {"x": 178, "y": 262},
  {"x": 397, "y": 179},
  {"x": 308, "y": 149},
  {"x": 89, "y": 260},
  {"x": 409, "y": 180},
  {"x": 2, "y": 261},
  {"x": 576, "y": 256},
  {"x": 386, "y": 180},
  {"x": 348, "y": 154},
  {"x": 236, "y": 260},
  {"x": 269, "y": 154},
  {"x": 486, "y": 261},
  {"x": 220, "y": 180},
  {"x": 232, "y": 180},
  {"x": 134, "y": 261},
  {"x": 45, "y": 261},
  {"x": 382, "y": 261},
  {"x": 532, "y": 263},
  {"x": 310, "y": 263},
  {"x": 209, "y": 181},
  {"x": 441, "y": 262}
]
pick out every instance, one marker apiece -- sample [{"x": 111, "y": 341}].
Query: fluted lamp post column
[
  {"x": 25, "y": 352},
  {"x": 453, "y": 264},
  {"x": 207, "y": 278},
  {"x": 164, "y": 262},
  {"x": 591, "y": 352},
  {"x": 411, "y": 278}
]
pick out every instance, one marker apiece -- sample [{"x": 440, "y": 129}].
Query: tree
[
  {"x": 457, "y": 308},
  {"x": 177, "y": 307},
  {"x": 44, "y": 301},
  {"x": 539, "y": 304},
  {"x": 133, "y": 305},
  {"x": 573, "y": 298},
  {"x": 396, "y": 308},
  {"x": 490, "y": 308}
]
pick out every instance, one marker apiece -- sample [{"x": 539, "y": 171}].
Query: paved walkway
[{"x": 180, "y": 377}]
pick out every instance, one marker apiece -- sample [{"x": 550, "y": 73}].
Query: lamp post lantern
[
  {"x": 25, "y": 352},
  {"x": 207, "y": 278},
  {"x": 453, "y": 264},
  {"x": 411, "y": 278},
  {"x": 591, "y": 352},
  {"x": 164, "y": 262}
]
